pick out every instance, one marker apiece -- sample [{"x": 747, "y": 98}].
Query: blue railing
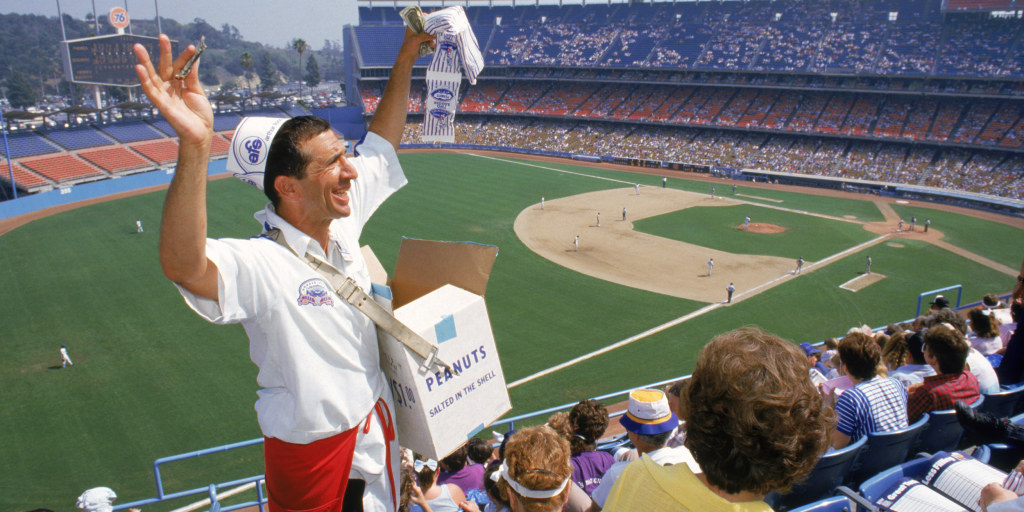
[
  {"x": 959, "y": 294},
  {"x": 212, "y": 489}
]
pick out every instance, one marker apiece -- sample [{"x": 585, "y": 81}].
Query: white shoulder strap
[{"x": 347, "y": 289}]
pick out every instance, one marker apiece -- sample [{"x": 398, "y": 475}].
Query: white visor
[{"x": 530, "y": 493}]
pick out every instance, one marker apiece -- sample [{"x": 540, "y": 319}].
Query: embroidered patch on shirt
[{"x": 315, "y": 292}]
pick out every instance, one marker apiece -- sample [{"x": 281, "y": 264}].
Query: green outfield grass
[
  {"x": 719, "y": 227},
  {"x": 152, "y": 379},
  {"x": 997, "y": 241}
]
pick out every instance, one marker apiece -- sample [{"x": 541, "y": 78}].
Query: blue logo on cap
[
  {"x": 252, "y": 146},
  {"x": 442, "y": 95},
  {"x": 250, "y": 152}
]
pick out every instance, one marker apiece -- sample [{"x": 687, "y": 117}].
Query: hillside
[{"x": 30, "y": 65}]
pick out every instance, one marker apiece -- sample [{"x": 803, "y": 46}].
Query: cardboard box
[{"x": 438, "y": 292}]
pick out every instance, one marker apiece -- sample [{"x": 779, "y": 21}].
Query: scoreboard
[{"x": 107, "y": 60}]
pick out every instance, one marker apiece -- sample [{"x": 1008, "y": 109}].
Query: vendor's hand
[
  {"x": 182, "y": 102},
  {"x": 410, "y": 50},
  {"x": 995, "y": 493}
]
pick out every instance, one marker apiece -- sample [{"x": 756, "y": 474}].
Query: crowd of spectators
[
  {"x": 846, "y": 37},
  {"x": 751, "y": 421},
  {"x": 952, "y": 168},
  {"x": 885, "y": 119}
]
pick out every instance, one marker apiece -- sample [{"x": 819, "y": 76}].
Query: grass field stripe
[
  {"x": 550, "y": 168},
  {"x": 699, "y": 312},
  {"x": 609, "y": 348}
]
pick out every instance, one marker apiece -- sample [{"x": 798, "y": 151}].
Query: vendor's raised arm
[
  {"x": 183, "y": 227},
  {"x": 389, "y": 120}
]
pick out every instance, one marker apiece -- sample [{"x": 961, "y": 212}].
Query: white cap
[
  {"x": 250, "y": 146},
  {"x": 97, "y": 499}
]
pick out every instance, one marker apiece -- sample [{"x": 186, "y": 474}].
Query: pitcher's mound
[{"x": 763, "y": 228}]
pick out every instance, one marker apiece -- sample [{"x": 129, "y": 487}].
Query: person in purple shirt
[
  {"x": 455, "y": 470},
  {"x": 589, "y": 420}
]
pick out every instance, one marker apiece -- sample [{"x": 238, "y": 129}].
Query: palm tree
[
  {"x": 246, "y": 61},
  {"x": 300, "y": 46}
]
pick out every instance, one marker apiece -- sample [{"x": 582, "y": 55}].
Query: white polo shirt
[{"x": 319, "y": 369}]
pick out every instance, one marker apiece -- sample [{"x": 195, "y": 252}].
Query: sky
[{"x": 272, "y": 22}]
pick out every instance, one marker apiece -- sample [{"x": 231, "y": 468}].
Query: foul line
[
  {"x": 551, "y": 169},
  {"x": 689, "y": 316},
  {"x": 614, "y": 346}
]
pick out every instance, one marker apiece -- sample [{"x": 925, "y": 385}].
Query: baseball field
[{"x": 152, "y": 379}]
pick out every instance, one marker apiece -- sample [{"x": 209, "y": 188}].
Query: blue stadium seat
[
  {"x": 132, "y": 131},
  {"x": 885, "y": 450},
  {"x": 162, "y": 125},
  {"x": 28, "y": 144},
  {"x": 1006, "y": 456},
  {"x": 79, "y": 138},
  {"x": 227, "y": 121},
  {"x": 1002, "y": 404},
  {"x": 875, "y": 487},
  {"x": 944, "y": 431},
  {"x": 833, "y": 504},
  {"x": 829, "y": 473}
]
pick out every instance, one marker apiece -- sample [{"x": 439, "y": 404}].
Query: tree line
[{"x": 31, "y": 68}]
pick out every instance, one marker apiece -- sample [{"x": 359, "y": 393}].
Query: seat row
[{"x": 875, "y": 458}]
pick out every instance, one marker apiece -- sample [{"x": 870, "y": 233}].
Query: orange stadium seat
[
  {"x": 220, "y": 145},
  {"x": 161, "y": 151},
  {"x": 22, "y": 176},
  {"x": 63, "y": 167},
  {"x": 117, "y": 158}
]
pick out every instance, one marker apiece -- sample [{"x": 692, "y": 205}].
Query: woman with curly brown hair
[
  {"x": 535, "y": 475},
  {"x": 589, "y": 420},
  {"x": 754, "y": 422},
  {"x": 896, "y": 353}
]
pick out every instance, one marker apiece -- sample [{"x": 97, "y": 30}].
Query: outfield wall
[{"x": 62, "y": 196}]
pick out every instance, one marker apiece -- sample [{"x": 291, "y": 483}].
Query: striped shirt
[{"x": 876, "y": 405}]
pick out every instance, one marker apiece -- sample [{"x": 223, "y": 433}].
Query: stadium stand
[
  {"x": 862, "y": 115},
  {"x": 226, "y": 121},
  {"x": 891, "y": 72},
  {"x": 221, "y": 143},
  {"x": 28, "y": 144},
  {"x": 162, "y": 125},
  {"x": 23, "y": 177},
  {"x": 131, "y": 132},
  {"x": 892, "y": 117},
  {"x": 973, "y": 121},
  {"x": 63, "y": 168},
  {"x": 79, "y": 138},
  {"x": 161, "y": 152},
  {"x": 115, "y": 159}
]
